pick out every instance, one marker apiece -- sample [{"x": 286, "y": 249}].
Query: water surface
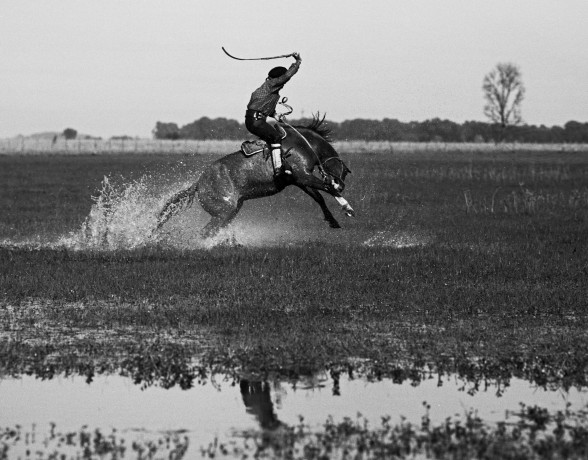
[{"x": 225, "y": 409}]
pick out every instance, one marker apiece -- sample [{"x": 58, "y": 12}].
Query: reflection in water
[
  {"x": 218, "y": 410},
  {"x": 257, "y": 398}
]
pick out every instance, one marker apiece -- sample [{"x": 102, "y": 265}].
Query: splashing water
[
  {"x": 122, "y": 217},
  {"x": 388, "y": 238}
]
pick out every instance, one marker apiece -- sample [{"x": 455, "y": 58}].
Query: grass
[
  {"x": 87, "y": 444},
  {"x": 533, "y": 434},
  {"x": 458, "y": 263},
  {"x": 49, "y": 194},
  {"x": 494, "y": 293}
]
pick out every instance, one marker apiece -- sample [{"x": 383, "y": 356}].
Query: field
[{"x": 459, "y": 263}]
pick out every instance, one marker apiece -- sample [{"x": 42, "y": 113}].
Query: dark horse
[{"x": 226, "y": 183}]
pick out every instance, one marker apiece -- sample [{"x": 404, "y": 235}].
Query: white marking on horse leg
[
  {"x": 342, "y": 201},
  {"x": 345, "y": 205}
]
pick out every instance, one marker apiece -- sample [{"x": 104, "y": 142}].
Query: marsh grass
[
  {"x": 530, "y": 433},
  {"x": 434, "y": 306},
  {"x": 523, "y": 200},
  {"x": 20, "y": 442},
  {"x": 486, "y": 293}
]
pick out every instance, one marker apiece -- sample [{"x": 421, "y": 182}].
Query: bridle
[
  {"x": 320, "y": 164},
  {"x": 343, "y": 171}
]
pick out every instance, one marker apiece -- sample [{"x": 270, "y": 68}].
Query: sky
[{"x": 116, "y": 67}]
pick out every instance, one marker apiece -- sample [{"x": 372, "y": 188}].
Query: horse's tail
[{"x": 177, "y": 203}]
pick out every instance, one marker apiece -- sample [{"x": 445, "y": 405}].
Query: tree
[
  {"x": 576, "y": 131},
  {"x": 166, "y": 131},
  {"x": 504, "y": 92},
  {"x": 70, "y": 133}
]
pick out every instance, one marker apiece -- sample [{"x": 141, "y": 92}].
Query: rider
[{"x": 263, "y": 104}]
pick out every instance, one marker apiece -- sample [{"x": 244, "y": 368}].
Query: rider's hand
[{"x": 296, "y": 56}]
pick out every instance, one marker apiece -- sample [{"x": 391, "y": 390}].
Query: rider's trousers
[{"x": 263, "y": 129}]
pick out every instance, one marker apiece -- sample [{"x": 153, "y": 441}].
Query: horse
[{"x": 226, "y": 183}]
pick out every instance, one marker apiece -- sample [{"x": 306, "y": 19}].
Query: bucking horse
[{"x": 244, "y": 175}]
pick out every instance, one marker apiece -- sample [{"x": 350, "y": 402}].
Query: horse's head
[
  {"x": 330, "y": 165},
  {"x": 334, "y": 172}
]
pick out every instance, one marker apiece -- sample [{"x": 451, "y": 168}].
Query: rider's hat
[{"x": 277, "y": 72}]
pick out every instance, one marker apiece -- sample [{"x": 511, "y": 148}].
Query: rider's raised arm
[{"x": 290, "y": 72}]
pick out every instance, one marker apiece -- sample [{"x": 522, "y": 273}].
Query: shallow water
[
  {"x": 124, "y": 217},
  {"x": 225, "y": 410}
]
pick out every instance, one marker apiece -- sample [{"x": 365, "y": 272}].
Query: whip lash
[{"x": 257, "y": 59}]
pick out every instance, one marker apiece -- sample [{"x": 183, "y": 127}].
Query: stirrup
[{"x": 283, "y": 170}]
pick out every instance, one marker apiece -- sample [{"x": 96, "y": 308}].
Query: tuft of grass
[
  {"x": 534, "y": 434},
  {"x": 19, "y": 442},
  {"x": 523, "y": 200}
]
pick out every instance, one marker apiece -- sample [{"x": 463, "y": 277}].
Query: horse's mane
[{"x": 317, "y": 125}]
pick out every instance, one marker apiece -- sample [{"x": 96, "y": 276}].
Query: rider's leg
[
  {"x": 277, "y": 160},
  {"x": 265, "y": 131}
]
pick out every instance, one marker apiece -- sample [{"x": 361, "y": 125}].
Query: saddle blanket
[{"x": 250, "y": 148}]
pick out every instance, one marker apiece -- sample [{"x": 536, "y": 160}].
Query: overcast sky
[{"x": 113, "y": 67}]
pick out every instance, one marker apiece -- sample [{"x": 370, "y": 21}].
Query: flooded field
[
  {"x": 224, "y": 411},
  {"x": 456, "y": 294}
]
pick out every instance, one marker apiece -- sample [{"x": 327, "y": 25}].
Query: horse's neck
[{"x": 306, "y": 137}]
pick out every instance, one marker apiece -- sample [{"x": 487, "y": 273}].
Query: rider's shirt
[{"x": 265, "y": 98}]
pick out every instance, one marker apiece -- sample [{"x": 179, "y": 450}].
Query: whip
[{"x": 256, "y": 59}]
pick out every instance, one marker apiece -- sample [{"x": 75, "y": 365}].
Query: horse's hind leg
[
  {"x": 218, "y": 222},
  {"x": 219, "y": 197},
  {"x": 181, "y": 200}
]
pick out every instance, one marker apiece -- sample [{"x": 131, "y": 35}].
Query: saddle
[{"x": 250, "y": 148}]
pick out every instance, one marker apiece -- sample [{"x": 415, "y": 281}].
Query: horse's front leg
[
  {"x": 316, "y": 196},
  {"x": 309, "y": 180}
]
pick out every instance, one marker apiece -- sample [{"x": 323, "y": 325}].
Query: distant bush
[
  {"x": 166, "y": 131},
  {"x": 70, "y": 133}
]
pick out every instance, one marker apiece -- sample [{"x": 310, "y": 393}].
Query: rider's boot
[{"x": 279, "y": 167}]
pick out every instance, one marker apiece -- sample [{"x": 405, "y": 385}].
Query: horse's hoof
[
  {"x": 334, "y": 225},
  {"x": 349, "y": 211}
]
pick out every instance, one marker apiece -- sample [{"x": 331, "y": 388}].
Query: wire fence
[
  {"x": 24, "y": 146},
  {"x": 27, "y": 146},
  {"x": 408, "y": 147}
]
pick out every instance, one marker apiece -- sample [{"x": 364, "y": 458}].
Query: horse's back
[
  {"x": 234, "y": 178},
  {"x": 218, "y": 173}
]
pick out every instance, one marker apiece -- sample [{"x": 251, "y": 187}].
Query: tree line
[
  {"x": 434, "y": 130},
  {"x": 503, "y": 91}
]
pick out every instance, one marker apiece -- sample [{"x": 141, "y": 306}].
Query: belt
[{"x": 255, "y": 114}]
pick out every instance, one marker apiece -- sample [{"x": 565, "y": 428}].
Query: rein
[
  {"x": 282, "y": 119},
  {"x": 320, "y": 163}
]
